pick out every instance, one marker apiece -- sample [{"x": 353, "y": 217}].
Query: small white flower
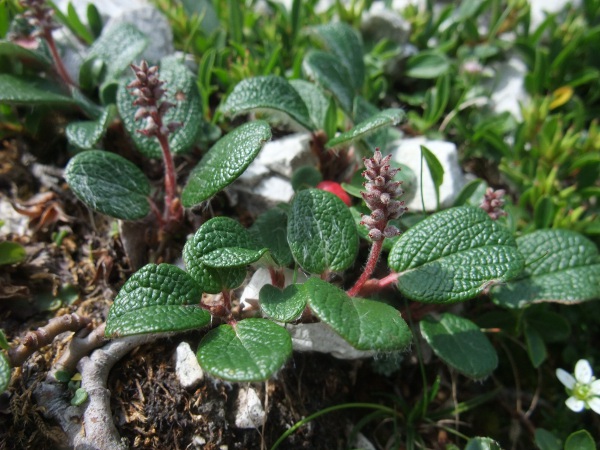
[{"x": 583, "y": 388}]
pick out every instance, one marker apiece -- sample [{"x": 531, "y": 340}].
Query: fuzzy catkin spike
[
  {"x": 493, "y": 202},
  {"x": 380, "y": 195},
  {"x": 148, "y": 88}
]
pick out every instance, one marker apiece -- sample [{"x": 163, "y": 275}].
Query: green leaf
[
  {"x": 536, "y": 349},
  {"x": 11, "y": 253},
  {"x": 365, "y": 324},
  {"x": 270, "y": 229},
  {"x": 80, "y": 397},
  {"x": 461, "y": 344},
  {"x": 580, "y": 440},
  {"x": 306, "y": 177},
  {"x": 454, "y": 255},
  {"x": 269, "y": 92},
  {"x": 109, "y": 183},
  {"x": 551, "y": 326},
  {"x": 13, "y": 50},
  {"x": 315, "y": 100},
  {"x": 321, "y": 232},
  {"x": 543, "y": 212},
  {"x": 343, "y": 41},
  {"x": 225, "y": 162},
  {"x": 251, "y": 350},
  {"x": 545, "y": 440},
  {"x": 471, "y": 193},
  {"x": 385, "y": 118},
  {"x": 4, "y": 372},
  {"x": 283, "y": 306},
  {"x": 3, "y": 340},
  {"x": 562, "y": 266},
  {"x": 482, "y": 443},
  {"x": 86, "y": 134},
  {"x": 157, "y": 299},
  {"x": 30, "y": 91},
  {"x": 231, "y": 257},
  {"x": 326, "y": 70},
  {"x": 427, "y": 64},
  {"x": 118, "y": 47},
  {"x": 76, "y": 26},
  {"x": 183, "y": 92},
  {"x": 216, "y": 234},
  {"x": 94, "y": 20},
  {"x": 435, "y": 169}
]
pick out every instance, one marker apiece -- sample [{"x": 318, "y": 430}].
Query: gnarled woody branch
[{"x": 34, "y": 340}]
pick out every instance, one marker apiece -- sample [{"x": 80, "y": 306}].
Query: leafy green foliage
[
  {"x": 110, "y": 184},
  {"x": 321, "y": 232},
  {"x": 156, "y": 299},
  {"x": 85, "y": 135},
  {"x": 225, "y": 162},
  {"x": 561, "y": 266},
  {"x": 365, "y": 324},
  {"x": 283, "y": 305},
  {"x": 11, "y": 253},
  {"x": 31, "y": 91},
  {"x": 461, "y": 344},
  {"x": 452, "y": 256},
  {"x": 205, "y": 254},
  {"x": 4, "y": 372},
  {"x": 270, "y": 229},
  {"x": 325, "y": 70},
  {"x": 580, "y": 440},
  {"x": 250, "y": 350},
  {"x": 268, "y": 93}
]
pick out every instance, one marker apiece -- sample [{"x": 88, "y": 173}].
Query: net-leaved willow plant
[
  {"x": 160, "y": 127},
  {"x": 451, "y": 256}
]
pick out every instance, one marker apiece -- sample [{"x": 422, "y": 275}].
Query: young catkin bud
[{"x": 381, "y": 194}]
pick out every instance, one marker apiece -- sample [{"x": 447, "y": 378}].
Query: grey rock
[
  {"x": 408, "y": 152},
  {"x": 285, "y": 155},
  {"x": 188, "y": 371},
  {"x": 319, "y": 337},
  {"x": 250, "y": 412},
  {"x": 508, "y": 89}
]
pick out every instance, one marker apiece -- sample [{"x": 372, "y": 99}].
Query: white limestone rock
[
  {"x": 284, "y": 156},
  {"x": 250, "y": 412},
  {"x": 408, "y": 152},
  {"x": 319, "y": 337},
  {"x": 188, "y": 371},
  {"x": 539, "y": 9},
  {"x": 508, "y": 89},
  {"x": 267, "y": 193}
]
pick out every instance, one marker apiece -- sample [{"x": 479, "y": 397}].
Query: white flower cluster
[{"x": 583, "y": 388}]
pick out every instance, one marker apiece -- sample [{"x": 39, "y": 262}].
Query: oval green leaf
[
  {"x": 183, "y": 92},
  {"x": 562, "y": 266},
  {"x": 80, "y": 397},
  {"x": 365, "y": 324},
  {"x": 283, "y": 306},
  {"x": 157, "y": 299},
  {"x": 86, "y": 134},
  {"x": 482, "y": 443},
  {"x": 427, "y": 64},
  {"x": 11, "y": 253},
  {"x": 385, "y": 118},
  {"x": 453, "y": 256},
  {"x": 4, "y": 372},
  {"x": 252, "y": 350},
  {"x": 326, "y": 70},
  {"x": 110, "y": 48},
  {"x": 321, "y": 232},
  {"x": 580, "y": 440},
  {"x": 110, "y": 184},
  {"x": 343, "y": 41},
  {"x": 225, "y": 162},
  {"x": 217, "y": 234},
  {"x": 460, "y": 344},
  {"x": 231, "y": 257},
  {"x": 30, "y": 91},
  {"x": 315, "y": 100},
  {"x": 269, "y": 92},
  {"x": 270, "y": 229},
  {"x": 13, "y": 50}
]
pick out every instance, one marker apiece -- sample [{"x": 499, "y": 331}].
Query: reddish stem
[
  {"x": 369, "y": 268},
  {"x": 173, "y": 210},
  {"x": 227, "y": 304},
  {"x": 60, "y": 67}
]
